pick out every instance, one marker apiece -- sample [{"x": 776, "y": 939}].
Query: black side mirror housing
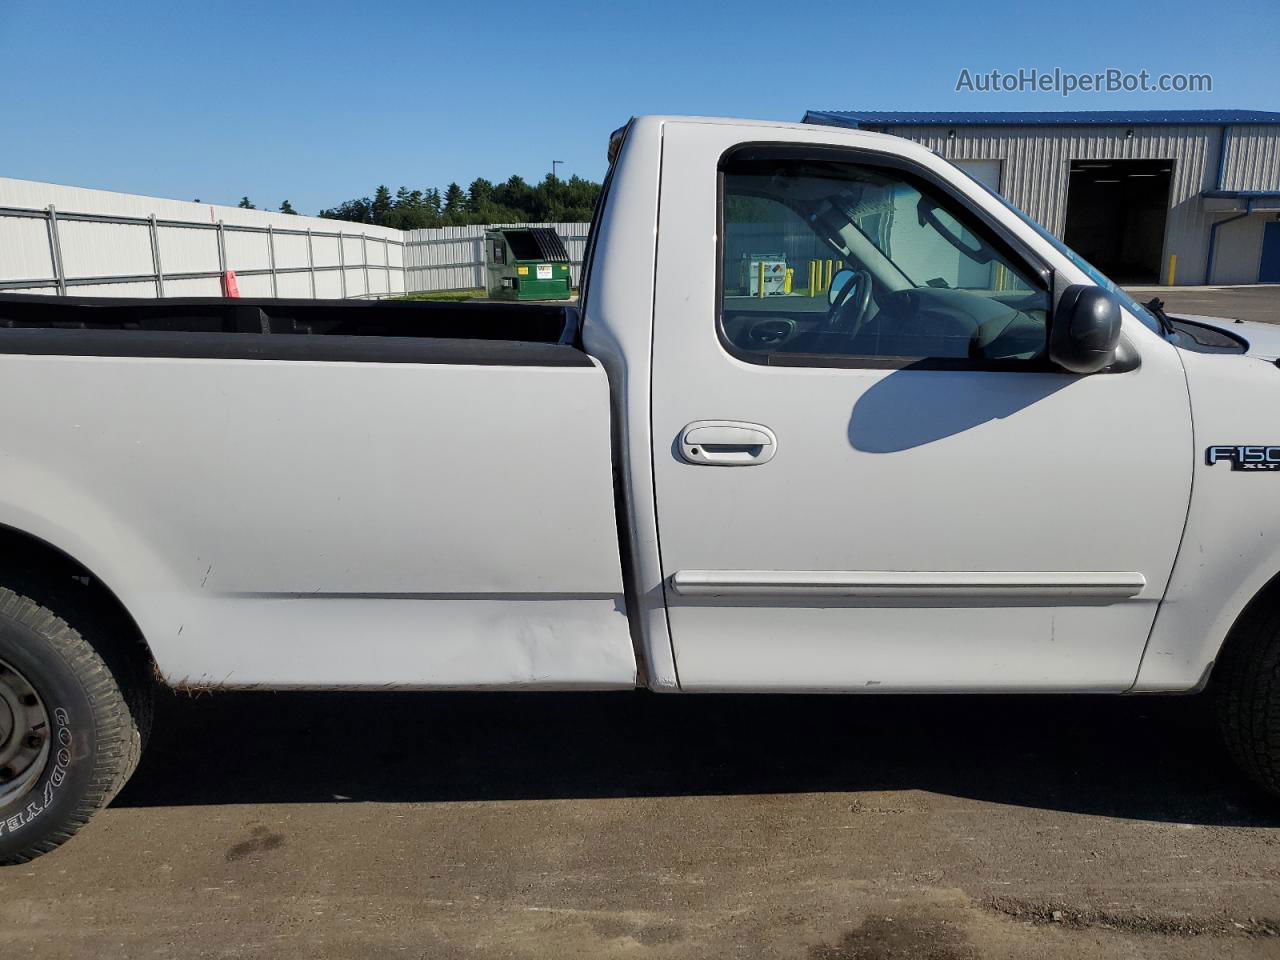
[{"x": 1085, "y": 329}]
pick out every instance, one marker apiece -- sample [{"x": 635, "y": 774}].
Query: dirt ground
[{"x": 602, "y": 825}]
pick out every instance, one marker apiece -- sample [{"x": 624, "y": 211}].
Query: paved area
[
  {"x": 611, "y": 825},
  {"x": 1259, "y": 302}
]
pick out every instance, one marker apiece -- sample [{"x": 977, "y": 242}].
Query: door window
[{"x": 823, "y": 258}]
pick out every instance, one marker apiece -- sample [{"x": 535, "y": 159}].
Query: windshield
[{"x": 1096, "y": 275}]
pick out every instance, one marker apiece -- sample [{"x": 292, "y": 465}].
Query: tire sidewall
[{"x": 51, "y": 803}]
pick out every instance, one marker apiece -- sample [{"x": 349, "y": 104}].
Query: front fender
[{"x": 1231, "y": 544}]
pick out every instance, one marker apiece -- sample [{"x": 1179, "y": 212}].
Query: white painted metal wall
[
  {"x": 56, "y": 239},
  {"x": 97, "y": 243},
  {"x": 452, "y": 258}
]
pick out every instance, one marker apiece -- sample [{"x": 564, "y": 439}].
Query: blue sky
[{"x": 321, "y": 101}]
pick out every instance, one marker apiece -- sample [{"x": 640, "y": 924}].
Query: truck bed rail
[{"x": 277, "y": 329}]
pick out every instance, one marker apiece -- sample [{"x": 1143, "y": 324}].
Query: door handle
[{"x": 727, "y": 443}]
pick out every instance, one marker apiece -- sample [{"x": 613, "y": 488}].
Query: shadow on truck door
[
  {"x": 1142, "y": 758},
  {"x": 912, "y": 407}
]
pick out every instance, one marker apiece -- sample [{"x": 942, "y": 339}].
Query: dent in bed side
[{"x": 331, "y": 524}]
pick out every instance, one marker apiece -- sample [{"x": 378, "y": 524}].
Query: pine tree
[
  {"x": 381, "y": 204},
  {"x": 455, "y": 202},
  {"x": 479, "y": 195},
  {"x": 246, "y": 204},
  {"x": 287, "y": 207}
]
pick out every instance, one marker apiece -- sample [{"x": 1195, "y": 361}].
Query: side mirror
[
  {"x": 1085, "y": 329},
  {"x": 839, "y": 283}
]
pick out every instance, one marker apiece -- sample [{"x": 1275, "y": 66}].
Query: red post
[{"x": 229, "y": 285}]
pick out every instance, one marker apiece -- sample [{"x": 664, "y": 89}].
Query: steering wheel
[{"x": 848, "y": 300}]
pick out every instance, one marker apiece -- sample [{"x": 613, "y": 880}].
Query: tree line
[{"x": 513, "y": 201}]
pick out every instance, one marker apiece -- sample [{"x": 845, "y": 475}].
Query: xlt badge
[{"x": 1247, "y": 457}]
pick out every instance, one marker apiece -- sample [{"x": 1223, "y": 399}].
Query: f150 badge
[{"x": 1245, "y": 457}]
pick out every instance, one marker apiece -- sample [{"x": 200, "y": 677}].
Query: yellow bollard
[
  {"x": 787, "y": 279},
  {"x": 761, "y": 266},
  {"x": 827, "y": 284},
  {"x": 813, "y": 278},
  {"x": 1173, "y": 268}
]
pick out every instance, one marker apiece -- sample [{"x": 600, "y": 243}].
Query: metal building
[{"x": 1183, "y": 196}]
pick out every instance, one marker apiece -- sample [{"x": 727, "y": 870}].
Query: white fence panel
[
  {"x": 194, "y": 287},
  {"x": 92, "y": 249},
  {"x": 291, "y": 251},
  {"x": 145, "y": 288},
  {"x": 82, "y": 241},
  {"x": 329, "y": 284},
  {"x": 325, "y": 251},
  {"x": 26, "y": 252},
  {"x": 188, "y": 250},
  {"x": 245, "y": 251},
  {"x": 355, "y": 283},
  {"x": 256, "y": 285},
  {"x": 295, "y": 285}
]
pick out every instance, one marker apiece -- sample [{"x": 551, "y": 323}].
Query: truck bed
[
  {"x": 379, "y": 331},
  {"x": 302, "y": 493}
]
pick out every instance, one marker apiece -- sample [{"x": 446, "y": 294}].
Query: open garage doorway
[{"x": 1116, "y": 211}]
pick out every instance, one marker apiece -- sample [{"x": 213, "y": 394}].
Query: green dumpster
[{"x": 527, "y": 263}]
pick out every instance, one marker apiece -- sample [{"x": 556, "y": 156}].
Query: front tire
[
  {"x": 1248, "y": 696},
  {"x": 68, "y": 737}
]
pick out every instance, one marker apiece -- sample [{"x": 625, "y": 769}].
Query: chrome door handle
[{"x": 727, "y": 443}]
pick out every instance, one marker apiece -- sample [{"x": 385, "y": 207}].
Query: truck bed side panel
[{"x": 331, "y": 523}]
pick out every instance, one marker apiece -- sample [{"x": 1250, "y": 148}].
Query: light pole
[{"x": 553, "y": 168}]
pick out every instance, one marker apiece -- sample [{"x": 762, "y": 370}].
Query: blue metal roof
[{"x": 970, "y": 118}]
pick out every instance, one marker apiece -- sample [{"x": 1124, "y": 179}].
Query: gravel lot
[
  {"x": 1261, "y": 302},
  {"x": 537, "y": 825}
]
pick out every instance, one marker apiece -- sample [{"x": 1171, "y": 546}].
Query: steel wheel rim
[{"x": 24, "y": 735}]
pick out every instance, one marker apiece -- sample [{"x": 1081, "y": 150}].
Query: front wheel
[
  {"x": 1248, "y": 696},
  {"x": 68, "y": 738}
]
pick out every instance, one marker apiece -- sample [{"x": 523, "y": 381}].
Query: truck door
[{"x": 868, "y": 476}]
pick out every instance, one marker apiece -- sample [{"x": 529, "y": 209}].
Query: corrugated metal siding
[
  {"x": 1037, "y": 170},
  {"x": 1253, "y": 159}
]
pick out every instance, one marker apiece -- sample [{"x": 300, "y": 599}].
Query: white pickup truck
[{"x": 834, "y": 418}]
